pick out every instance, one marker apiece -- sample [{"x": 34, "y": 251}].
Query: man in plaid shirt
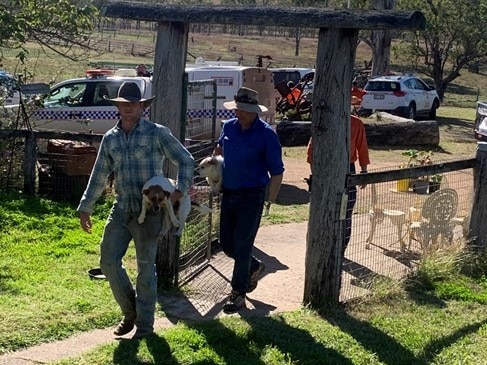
[{"x": 133, "y": 151}]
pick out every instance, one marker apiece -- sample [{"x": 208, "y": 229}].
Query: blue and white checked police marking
[
  {"x": 207, "y": 113},
  {"x": 47, "y": 114}
]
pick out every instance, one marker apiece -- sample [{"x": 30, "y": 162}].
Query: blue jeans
[
  {"x": 240, "y": 214},
  {"x": 121, "y": 227}
]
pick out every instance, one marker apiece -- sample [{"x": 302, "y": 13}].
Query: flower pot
[
  {"x": 434, "y": 186},
  {"x": 402, "y": 185},
  {"x": 421, "y": 186}
]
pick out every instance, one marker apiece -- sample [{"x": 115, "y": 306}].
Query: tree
[
  {"x": 62, "y": 26},
  {"x": 454, "y": 37},
  {"x": 381, "y": 41}
]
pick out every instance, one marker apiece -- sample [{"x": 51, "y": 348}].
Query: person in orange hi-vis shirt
[
  {"x": 357, "y": 94},
  {"x": 359, "y": 151}
]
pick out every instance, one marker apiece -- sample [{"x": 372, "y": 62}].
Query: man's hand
[
  {"x": 85, "y": 221},
  {"x": 175, "y": 196},
  {"x": 267, "y": 207}
]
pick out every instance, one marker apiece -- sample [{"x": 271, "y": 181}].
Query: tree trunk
[
  {"x": 392, "y": 131},
  {"x": 381, "y": 41},
  {"x": 403, "y": 133},
  {"x": 169, "y": 64},
  {"x": 298, "y": 40},
  {"x": 330, "y": 131}
]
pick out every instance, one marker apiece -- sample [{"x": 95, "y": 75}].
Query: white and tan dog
[
  {"x": 211, "y": 169},
  {"x": 155, "y": 196}
]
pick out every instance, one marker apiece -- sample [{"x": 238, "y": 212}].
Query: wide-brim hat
[
  {"x": 129, "y": 92},
  {"x": 246, "y": 100}
]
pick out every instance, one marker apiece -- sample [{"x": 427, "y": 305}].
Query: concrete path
[{"x": 282, "y": 247}]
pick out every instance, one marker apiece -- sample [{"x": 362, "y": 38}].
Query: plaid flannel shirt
[{"x": 134, "y": 159}]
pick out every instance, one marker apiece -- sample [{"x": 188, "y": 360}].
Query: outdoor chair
[
  {"x": 436, "y": 219},
  {"x": 378, "y": 213}
]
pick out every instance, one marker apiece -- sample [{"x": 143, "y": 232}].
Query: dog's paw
[{"x": 140, "y": 220}]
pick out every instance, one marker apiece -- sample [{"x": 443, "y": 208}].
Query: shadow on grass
[
  {"x": 388, "y": 350},
  {"x": 266, "y": 335},
  {"x": 127, "y": 350},
  {"x": 290, "y": 194}
]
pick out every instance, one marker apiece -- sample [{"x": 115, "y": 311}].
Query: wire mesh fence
[
  {"x": 397, "y": 218},
  {"x": 395, "y": 223}
]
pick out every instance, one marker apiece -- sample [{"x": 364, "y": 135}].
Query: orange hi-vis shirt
[{"x": 359, "y": 149}]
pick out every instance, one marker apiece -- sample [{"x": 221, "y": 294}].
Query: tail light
[{"x": 399, "y": 93}]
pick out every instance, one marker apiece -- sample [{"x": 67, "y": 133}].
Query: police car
[{"x": 78, "y": 105}]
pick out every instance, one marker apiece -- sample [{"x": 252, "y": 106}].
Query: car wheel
[
  {"x": 412, "y": 111},
  {"x": 436, "y": 105}
]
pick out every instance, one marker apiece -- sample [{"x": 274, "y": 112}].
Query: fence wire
[{"x": 392, "y": 229}]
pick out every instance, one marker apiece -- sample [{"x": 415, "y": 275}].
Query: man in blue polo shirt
[{"x": 252, "y": 163}]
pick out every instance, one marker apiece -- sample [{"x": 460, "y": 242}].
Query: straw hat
[
  {"x": 129, "y": 92},
  {"x": 246, "y": 100}
]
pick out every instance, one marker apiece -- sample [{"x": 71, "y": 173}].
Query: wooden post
[
  {"x": 29, "y": 163},
  {"x": 169, "y": 65},
  {"x": 330, "y": 131},
  {"x": 477, "y": 235}
]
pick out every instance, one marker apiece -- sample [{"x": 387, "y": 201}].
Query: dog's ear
[
  {"x": 167, "y": 193},
  {"x": 146, "y": 192}
]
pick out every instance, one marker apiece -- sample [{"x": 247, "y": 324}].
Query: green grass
[
  {"x": 411, "y": 327},
  {"x": 45, "y": 291},
  {"x": 437, "y": 317}
]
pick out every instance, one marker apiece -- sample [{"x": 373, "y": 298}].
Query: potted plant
[
  {"x": 435, "y": 182},
  {"x": 404, "y": 184},
  {"x": 421, "y": 184}
]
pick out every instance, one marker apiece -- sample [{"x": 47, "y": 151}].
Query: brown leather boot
[{"x": 124, "y": 327}]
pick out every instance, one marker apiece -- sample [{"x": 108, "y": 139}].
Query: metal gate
[{"x": 200, "y": 133}]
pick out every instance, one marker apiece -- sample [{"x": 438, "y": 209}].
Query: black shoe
[
  {"x": 254, "y": 277},
  {"x": 124, "y": 327},
  {"x": 235, "y": 302}
]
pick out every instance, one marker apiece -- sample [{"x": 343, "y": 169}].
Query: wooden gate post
[
  {"x": 330, "y": 130},
  {"x": 29, "y": 163},
  {"x": 169, "y": 66},
  {"x": 477, "y": 235}
]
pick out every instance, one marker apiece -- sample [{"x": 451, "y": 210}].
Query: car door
[
  {"x": 63, "y": 108},
  {"x": 78, "y": 106},
  {"x": 426, "y": 94}
]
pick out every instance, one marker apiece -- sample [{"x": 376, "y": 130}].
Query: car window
[
  {"x": 382, "y": 86},
  {"x": 286, "y": 76},
  {"x": 421, "y": 84},
  {"x": 70, "y": 95},
  {"x": 410, "y": 84},
  {"x": 105, "y": 89}
]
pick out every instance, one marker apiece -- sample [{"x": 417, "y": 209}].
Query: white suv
[{"x": 405, "y": 95}]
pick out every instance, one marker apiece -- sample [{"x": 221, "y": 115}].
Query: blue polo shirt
[{"x": 250, "y": 156}]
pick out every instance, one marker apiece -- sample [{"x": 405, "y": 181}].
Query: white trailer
[{"x": 228, "y": 80}]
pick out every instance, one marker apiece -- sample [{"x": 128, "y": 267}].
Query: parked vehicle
[
  {"x": 286, "y": 74},
  {"x": 78, "y": 105},
  {"x": 231, "y": 78},
  {"x": 403, "y": 95},
  {"x": 480, "y": 128}
]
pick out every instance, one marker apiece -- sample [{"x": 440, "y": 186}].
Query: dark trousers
[
  {"x": 352, "y": 199},
  {"x": 240, "y": 214}
]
